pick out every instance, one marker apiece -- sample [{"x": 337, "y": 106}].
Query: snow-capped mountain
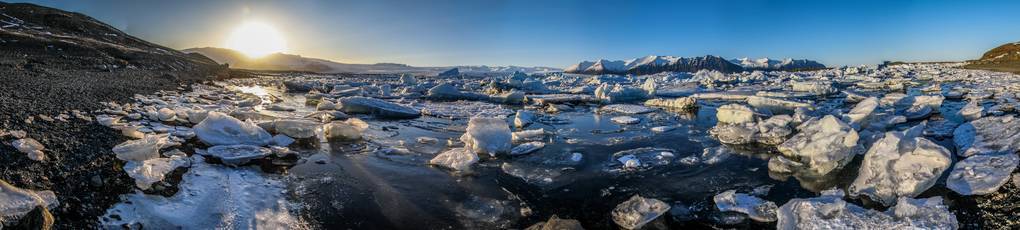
[
  {"x": 654, "y": 64},
  {"x": 774, "y": 64}
]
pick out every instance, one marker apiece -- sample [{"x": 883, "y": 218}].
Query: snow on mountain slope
[
  {"x": 773, "y": 64},
  {"x": 654, "y": 64}
]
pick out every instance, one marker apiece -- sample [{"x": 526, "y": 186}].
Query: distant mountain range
[
  {"x": 1003, "y": 58},
  {"x": 290, "y": 62},
  {"x": 655, "y": 64}
]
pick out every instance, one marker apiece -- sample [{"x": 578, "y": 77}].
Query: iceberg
[
  {"x": 823, "y": 144},
  {"x": 901, "y": 164},
  {"x": 458, "y": 159},
  {"x": 735, "y": 114},
  {"x": 830, "y": 211},
  {"x": 486, "y": 135},
  {"x": 349, "y": 130},
  {"x": 221, "y": 129},
  {"x": 681, "y": 103},
  {"x": 377, "y": 107}
]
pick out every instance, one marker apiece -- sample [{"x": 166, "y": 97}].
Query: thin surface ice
[
  {"x": 221, "y": 129},
  {"x": 901, "y": 164},
  {"x": 981, "y": 174},
  {"x": 756, "y": 208},
  {"x": 638, "y": 211},
  {"x": 210, "y": 196},
  {"x": 235, "y": 155},
  {"x": 153, "y": 170},
  {"x": 526, "y": 148},
  {"x": 626, "y": 109}
]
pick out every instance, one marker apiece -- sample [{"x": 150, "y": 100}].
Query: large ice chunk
[
  {"x": 141, "y": 149},
  {"x": 296, "y": 128},
  {"x": 902, "y": 164},
  {"x": 221, "y": 129},
  {"x": 619, "y": 93},
  {"x": 989, "y": 135},
  {"x": 349, "y": 130},
  {"x": 626, "y": 108},
  {"x": 487, "y": 135},
  {"x": 458, "y": 159},
  {"x": 981, "y": 174},
  {"x": 377, "y": 107},
  {"x": 756, "y": 208},
  {"x": 681, "y": 103},
  {"x": 638, "y": 211},
  {"x": 862, "y": 114},
  {"x": 523, "y": 118},
  {"x": 823, "y": 144},
  {"x": 735, "y": 114}
]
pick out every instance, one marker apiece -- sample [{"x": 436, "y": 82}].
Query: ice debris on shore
[
  {"x": 830, "y": 211},
  {"x": 16, "y": 202},
  {"x": 982, "y": 174},
  {"x": 222, "y": 129},
  {"x": 31, "y": 147},
  {"x": 756, "y": 208}
]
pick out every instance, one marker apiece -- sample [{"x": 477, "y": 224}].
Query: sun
[{"x": 256, "y": 39}]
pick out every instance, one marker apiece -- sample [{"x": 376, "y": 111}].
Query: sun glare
[{"x": 256, "y": 39}]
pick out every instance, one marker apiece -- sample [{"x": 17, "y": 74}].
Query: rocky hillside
[
  {"x": 775, "y": 64},
  {"x": 53, "y": 63},
  {"x": 1003, "y": 58},
  {"x": 290, "y": 62}
]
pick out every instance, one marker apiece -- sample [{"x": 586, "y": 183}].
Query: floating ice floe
[
  {"x": 626, "y": 109},
  {"x": 901, "y": 164},
  {"x": 735, "y": 114},
  {"x": 458, "y": 159},
  {"x": 294, "y": 128},
  {"x": 771, "y": 131},
  {"x": 626, "y": 120},
  {"x": 446, "y": 91},
  {"x": 485, "y": 135},
  {"x": 221, "y": 129},
  {"x": 982, "y": 174},
  {"x": 817, "y": 87},
  {"x": 822, "y": 144},
  {"x": 526, "y": 148},
  {"x": 682, "y": 103},
  {"x": 31, "y": 147},
  {"x": 830, "y": 211},
  {"x": 641, "y": 159},
  {"x": 464, "y": 109},
  {"x": 862, "y": 114},
  {"x": 349, "y": 130},
  {"x": 527, "y": 135},
  {"x": 775, "y": 105},
  {"x": 153, "y": 170},
  {"x": 543, "y": 168},
  {"x": 16, "y": 202},
  {"x": 972, "y": 111},
  {"x": 619, "y": 93},
  {"x": 210, "y": 196},
  {"x": 235, "y": 155},
  {"x": 377, "y": 107},
  {"x": 638, "y": 211},
  {"x": 988, "y": 135},
  {"x": 523, "y": 118},
  {"x": 756, "y": 208},
  {"x": 141, "y": 149}
]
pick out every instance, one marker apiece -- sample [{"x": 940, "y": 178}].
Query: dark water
[{"x": 360, "y": 185}]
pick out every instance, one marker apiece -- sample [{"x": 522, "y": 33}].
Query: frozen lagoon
[{"x": 589, "y": 164}]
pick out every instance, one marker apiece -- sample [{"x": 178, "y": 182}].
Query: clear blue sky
[{"x": 560, "y": 33}]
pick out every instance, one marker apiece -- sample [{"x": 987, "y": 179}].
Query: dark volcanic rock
[{"x": 53, "y": 62}]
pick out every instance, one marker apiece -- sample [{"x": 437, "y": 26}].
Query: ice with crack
[
  {"x": 153, "y": 170},
  {"x": 487, "y": 135},
  {"x": 221, "y": 129},
  {"x": 210, "y": 196},
  {"x": 377, "y": 107},
  {"x": 901, "y": 164},
  {"x": 638, "y": 211},
  {"x": 988, "y": 135},
  {"x": 830, "y": 211},
  {"x": 981, "y": 174},
  {"x": 756, "y": 208},
  {"x": 776, "y": 105},
  {"x": 823, "y": 144}
]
